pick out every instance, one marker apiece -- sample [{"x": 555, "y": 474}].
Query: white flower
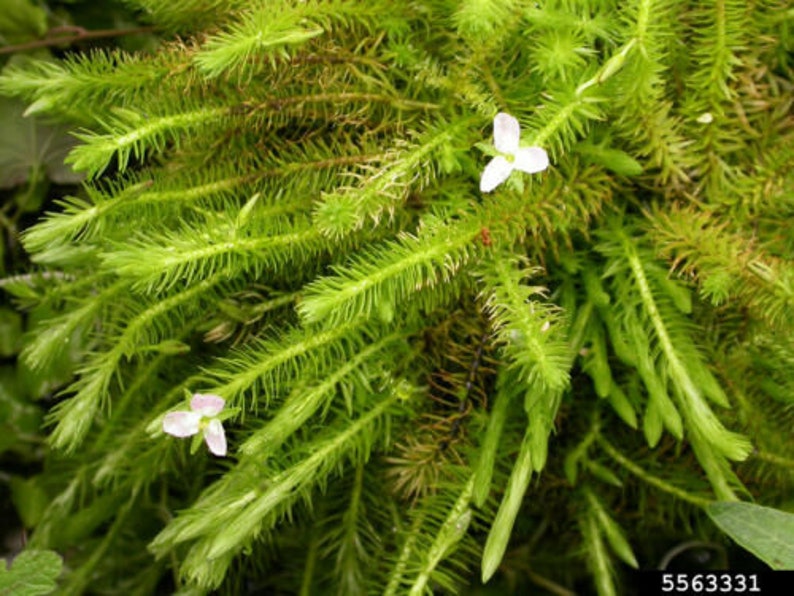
[
  {"x": 202, "y": 417},
  {"x": 506, "y": 134}
]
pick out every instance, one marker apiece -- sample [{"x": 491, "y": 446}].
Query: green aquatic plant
[{"x": 446, "y": 361}]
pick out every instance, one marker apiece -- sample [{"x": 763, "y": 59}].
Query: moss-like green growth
[{"x": 427, "y": 385}]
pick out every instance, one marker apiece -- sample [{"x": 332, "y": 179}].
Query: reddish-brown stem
[{"x": 73, "y": 34}]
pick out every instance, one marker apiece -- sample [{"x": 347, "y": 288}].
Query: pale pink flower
[
  {"x": 506, "y": 135},
  {"x": 202, "y": 417}
]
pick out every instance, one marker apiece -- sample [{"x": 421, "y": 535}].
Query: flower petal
[
  {"x": 207, "y": 405},
  {"x": 496, "y": 172},
  {"x": 506, "y": 132},
  {"x": 181, "y": 424},
  {"x": 531, "y": 160},
  {"x": 215, "y": 437}
]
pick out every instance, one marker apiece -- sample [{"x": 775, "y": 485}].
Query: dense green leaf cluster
[{"x": 435, "y": 387}]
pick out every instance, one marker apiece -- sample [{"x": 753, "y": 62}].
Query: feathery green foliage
[{"x": 428, "y": 386}]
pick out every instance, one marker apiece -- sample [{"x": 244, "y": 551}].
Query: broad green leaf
[
  {"x": 10, "y": 395},
  {"x": 30, "y": 197},
  {"x": 32, "y": 573},
  {"x": 20, "y": 420},
  {"x": 29, "y": 498},
  {"x": 767, "y": 533},
  {"x": 10, "y": 332},
  {"x": 29, "y": 149},
  {"x": 21, "y": 20}
]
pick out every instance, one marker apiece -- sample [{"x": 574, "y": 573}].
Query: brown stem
[
  {"x": 74, "y": 34},
  {"x": 65, "y": 29}
]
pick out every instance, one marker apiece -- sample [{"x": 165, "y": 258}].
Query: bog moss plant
[{"x": 490, "y": 289}]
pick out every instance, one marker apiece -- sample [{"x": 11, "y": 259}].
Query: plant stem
[
  {"x": 72, "y": 35},
  {"x": 649, "y": 478}
]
